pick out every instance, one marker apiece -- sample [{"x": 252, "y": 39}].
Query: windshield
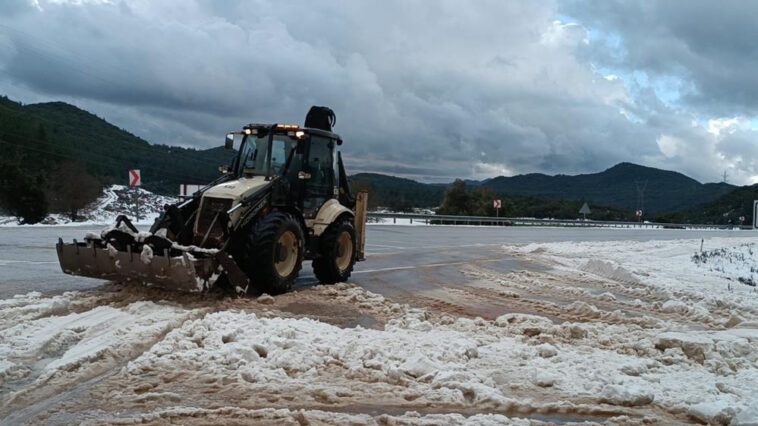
[{"x": 254, "y": 156}]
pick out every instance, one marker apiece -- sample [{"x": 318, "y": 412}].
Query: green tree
[
  {"x": 22, "y": 195},
  {"x": 481, "y": 201},
  {"x": 41, "y": 133},
  {"x": 72, "y": 188},
  {"x": 356, "y": 187},
  {"x": 456, "y": 200}
]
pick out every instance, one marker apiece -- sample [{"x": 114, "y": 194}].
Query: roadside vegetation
[{"x": 477, "y": 201}]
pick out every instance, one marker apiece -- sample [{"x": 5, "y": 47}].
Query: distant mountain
[
  {"x": 723, "y": 210},
  {"x": 397, "y": 193},
  {"x": 50, "y": 133},
  {"x": 664, "y": 191}
]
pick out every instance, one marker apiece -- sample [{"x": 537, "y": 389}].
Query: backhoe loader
[{"x": 284, "y": 198}]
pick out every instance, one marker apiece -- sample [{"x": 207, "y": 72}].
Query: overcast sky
[{"x": 430, "y": 90}]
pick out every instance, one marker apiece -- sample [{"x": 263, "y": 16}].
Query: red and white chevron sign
[{"x": 134, "y": 178}]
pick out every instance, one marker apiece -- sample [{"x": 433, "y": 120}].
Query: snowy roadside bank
[
  {"x": 705, "y": 291},
  {"x": 115, "y": 200},
  {"x": 701, "y": 277}
]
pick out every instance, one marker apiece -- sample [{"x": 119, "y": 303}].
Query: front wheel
[
  {"x": 273, "y": 253},
  {"x": 336, "y": 254}
]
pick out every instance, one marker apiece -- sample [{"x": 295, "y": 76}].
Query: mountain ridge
[
  {"x": 619, "y": 186},
  {"x": 666, "y": 191},
  {"x": 40, "y": 135}
]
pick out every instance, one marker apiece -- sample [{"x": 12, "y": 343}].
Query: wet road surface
[{"x": 400, "y": 259}]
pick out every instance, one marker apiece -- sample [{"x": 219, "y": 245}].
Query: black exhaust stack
[{"x": 320, "y": 117}]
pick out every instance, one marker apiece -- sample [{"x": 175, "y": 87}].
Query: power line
[{"x": 641, "y": 185}]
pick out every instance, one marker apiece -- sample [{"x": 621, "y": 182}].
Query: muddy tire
[
  {"x": 336, "y": 253},
  {"x": 273, "y": 254}
]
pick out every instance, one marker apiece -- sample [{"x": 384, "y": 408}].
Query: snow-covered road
[{"x": 609, "y": 332}]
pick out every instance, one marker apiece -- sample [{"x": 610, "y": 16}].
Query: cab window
[{"x": 320, "y": 166}]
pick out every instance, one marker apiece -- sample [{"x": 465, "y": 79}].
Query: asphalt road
[{"x": 401, "y": 260}]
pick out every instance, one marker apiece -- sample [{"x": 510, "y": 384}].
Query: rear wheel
[
  {"x": 336, "y": 254},
  {"x": 273, "y": 254}
]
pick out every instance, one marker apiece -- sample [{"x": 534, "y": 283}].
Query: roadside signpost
[
  {"x": 135, "y": 181},
  {"x": 755, "y": 214},
  {"x": 638, "y": 213},
  {"x": 497, "y": 204},
  {"x": 585, "y": 210}
]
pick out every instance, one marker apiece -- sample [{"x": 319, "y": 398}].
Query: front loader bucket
[{"x": 184, "y": 273}]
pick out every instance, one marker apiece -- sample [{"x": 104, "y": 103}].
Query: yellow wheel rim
[
  {"x": 344, "y": 250},
  {"x": 285, "y": 254}
]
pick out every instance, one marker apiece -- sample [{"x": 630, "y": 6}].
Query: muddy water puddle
[{"x": 340, "y": 315}]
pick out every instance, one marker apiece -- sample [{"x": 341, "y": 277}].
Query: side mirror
[
  {"x": 223, "y": 169},
  {"x": 303, "y": 175},
  {"x": 229, "y": 141}
]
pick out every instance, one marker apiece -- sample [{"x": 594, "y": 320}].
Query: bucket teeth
[{"x": 185, "y": 273}]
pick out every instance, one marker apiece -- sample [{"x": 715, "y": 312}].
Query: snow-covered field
[
  {"x": 700, "y": 355},
  {"x": 608, "y": 332}
]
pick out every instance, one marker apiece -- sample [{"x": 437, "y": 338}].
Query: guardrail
[{"x": 433, "y": 219}]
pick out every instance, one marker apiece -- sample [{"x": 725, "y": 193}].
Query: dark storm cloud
[
  {"x": 710, "y": 44},
  {"x": 431, "y": 90}
]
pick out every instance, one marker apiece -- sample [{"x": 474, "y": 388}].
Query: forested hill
[
  {"x": 725, "y": 209},
  {"x": 38, "y": 138},
  {"x": 396, "y": 193},
  {"x": 663, "y": 190}
]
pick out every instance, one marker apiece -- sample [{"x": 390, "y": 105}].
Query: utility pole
[
  {"x": 725, "y": 176},
  {"x": 136, "y": 199},
  {"x": 641, "y": 185}
]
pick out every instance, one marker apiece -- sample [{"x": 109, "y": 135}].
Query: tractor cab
[{"x": 306, "y": 159}]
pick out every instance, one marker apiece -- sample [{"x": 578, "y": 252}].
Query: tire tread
[{"x": 324, "y": 267}]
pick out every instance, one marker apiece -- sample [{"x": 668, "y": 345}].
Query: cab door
[{"x": 322, "y": 183}]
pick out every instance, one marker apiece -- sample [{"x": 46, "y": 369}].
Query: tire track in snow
[
  {"x": 35, "y": 397},
  {"x": 545, "y": 293}
]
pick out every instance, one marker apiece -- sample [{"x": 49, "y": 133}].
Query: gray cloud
[
  {"x": 710, "y": 45},
  {"x": 431, "y": 91}
]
